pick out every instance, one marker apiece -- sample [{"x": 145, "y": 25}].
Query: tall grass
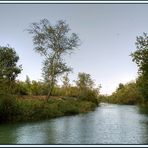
[
  {"x": 12, "y": 109},
  {"x": 9, "y": 107}
]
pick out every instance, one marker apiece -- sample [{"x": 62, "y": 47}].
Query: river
[{"x": 108, "y": 124}]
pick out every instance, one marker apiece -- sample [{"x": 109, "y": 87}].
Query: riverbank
[
  {"x": 143, "y": 108},
  {"x": 19, "y": 109},
  {"x": 108, "y": 124}
]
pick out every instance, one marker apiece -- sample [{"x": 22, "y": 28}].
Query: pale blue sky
[{"x": 107, "y": 32}]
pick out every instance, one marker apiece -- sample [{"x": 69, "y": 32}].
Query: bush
[
  {"x": 9, "y": 107},
  {"x": 142, "y": 83},
  {"x": 88, "y": 95},
  {"x": 12, "y": 109}
]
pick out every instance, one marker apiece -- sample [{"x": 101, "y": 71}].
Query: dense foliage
[
  {"x": 140, "y": 56},
  {"x": 9, "y": 69},
  {"x": 35, "y": 88},
  {"x": 12, "y": 109},
  {"x": 127, "y": 94},
  {"x": 28, "y": 101},
  {"x": 8, "y": 64}
]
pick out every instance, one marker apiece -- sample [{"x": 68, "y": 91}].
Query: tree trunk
[
  {"x": 51, "y": 85},
  {"x": 49, "y": 94}
]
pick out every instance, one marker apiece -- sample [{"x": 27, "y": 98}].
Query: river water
[{"x": 108, "y": 124}]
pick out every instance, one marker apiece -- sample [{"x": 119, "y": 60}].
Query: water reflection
[
  {"x": 109, "y": 124},
  {"x": 8, "y": 134},
  {"x": 36, "y": 133}
]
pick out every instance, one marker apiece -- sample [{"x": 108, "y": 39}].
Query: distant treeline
[
  {"x": 125, "y": 94},
  {"x": 135, "y": 92},
  {"x": 83, "y": 89}
]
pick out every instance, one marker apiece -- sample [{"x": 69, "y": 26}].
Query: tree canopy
[
  {"x": 9, "y": 69},
  {"x": 84, "y": 81},
  {"x": 53, "y": 42},
  {"x": 140, "y": 56}
]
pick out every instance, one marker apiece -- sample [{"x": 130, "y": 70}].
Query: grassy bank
[{"x": 14, "y": 109}]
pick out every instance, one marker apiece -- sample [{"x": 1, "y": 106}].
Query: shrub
[
  {"x": 9, "y": 107},
  {"x": 88, "y": 95}
]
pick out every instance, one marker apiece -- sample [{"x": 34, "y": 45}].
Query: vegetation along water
[
  {"x": 29, "y": 101},
  {"x": 108, "y": 124}
]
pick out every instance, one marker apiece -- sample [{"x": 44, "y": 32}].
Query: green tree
[
  {"x": 66, "y": 84},
  {"x": 84, "y": 81},
  {"x": 142, "y": 83},
  {"x": 9, "y": 69},
  {"x": 36, "y": 88},
  {"x": 28, "y": 84},
  {"x": 86, "y": 88},
  {"x": 120, "y": 86},
  {"x": 140, "y": 56},
  {"x": 21, "y": 88},
  {"x": 66, "y": 81},
  {"x": 128, "y": 94},
  {"x": 53, "y": 42}
]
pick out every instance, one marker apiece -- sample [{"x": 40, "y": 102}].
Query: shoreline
[{"x": 28, "y": 110}]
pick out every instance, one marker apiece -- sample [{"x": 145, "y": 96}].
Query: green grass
[{"x": 16, "y": 110}]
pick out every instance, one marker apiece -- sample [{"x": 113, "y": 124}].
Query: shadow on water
[
  {"x": 8, "y": 134},
  {"x": 108, "y": 124}
]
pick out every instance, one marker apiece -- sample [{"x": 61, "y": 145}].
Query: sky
[{"x": 107, "y": 33}]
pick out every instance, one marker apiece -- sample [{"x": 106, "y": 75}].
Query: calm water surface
[{"x": 109, "y": 124}]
